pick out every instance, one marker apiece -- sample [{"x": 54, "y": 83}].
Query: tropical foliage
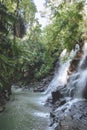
[
  {"x": 11, "y": 25},
  {"x": 28, "y": 52},
  {"x": 65, "y": 30}
]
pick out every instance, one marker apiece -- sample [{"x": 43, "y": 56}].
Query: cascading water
[
  {"x": 61, "y": 76},
  {"x": 77, "y": 84},
  {"x": 82, "y": 85}
]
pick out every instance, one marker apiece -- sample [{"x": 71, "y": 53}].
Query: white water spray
[{"x": 61, "y": 76}]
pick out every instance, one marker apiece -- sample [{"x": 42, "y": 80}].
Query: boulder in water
[{"x": 56, "y": 95}]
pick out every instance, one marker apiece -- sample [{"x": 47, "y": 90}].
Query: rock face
[
  {"x": 71, "y": 116},
  {"x": 75, "y": 62},
  {"x": 56, "y": 95},
  {"x": 69, "y": 102},
  {"x": 42, "y": 85}
]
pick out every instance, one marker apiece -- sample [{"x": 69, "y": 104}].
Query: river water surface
[{"x": 25, "y": 111}]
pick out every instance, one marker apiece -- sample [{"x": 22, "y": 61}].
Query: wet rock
[
  {"x": 55, "y": 126},
  {"x": 62, "y": 102},
  {"x": 73, "y": 65},
  {"x": 75, "y": 62},
  {"x": 58, "y": 103},
  {"x": 57, "y": 98},
  {"x": 69, "y": 113},
  {"x": 72, "y": 84},
  {"x": 71, "y": 116},
  {"x": 43, "y": 84},
  {"x": 56, "y": 95}
]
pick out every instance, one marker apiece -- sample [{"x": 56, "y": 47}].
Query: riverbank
[
  {"x": 4, "y": 98},
  {"x": 38, "y": 86}
]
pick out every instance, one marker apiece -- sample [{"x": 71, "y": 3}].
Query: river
[{"x": 25, "y": 111}]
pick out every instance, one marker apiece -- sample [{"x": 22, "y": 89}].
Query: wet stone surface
[
  {"x": 69, "y": 102},
  {"x": 71, "y": 116}
]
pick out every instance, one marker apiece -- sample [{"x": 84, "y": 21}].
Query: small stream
[{"x": 25, "y": 111}]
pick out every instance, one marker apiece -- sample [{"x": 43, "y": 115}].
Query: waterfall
[
  {"x": 61, "y": 75},
  {"x": 77, "y": 83},
  {"x": 60, "y": 78}
]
